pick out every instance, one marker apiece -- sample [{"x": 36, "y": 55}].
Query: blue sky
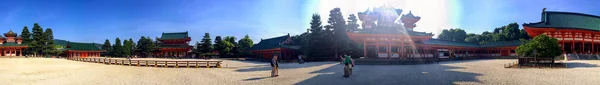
[{"x": 97, "y": 20}]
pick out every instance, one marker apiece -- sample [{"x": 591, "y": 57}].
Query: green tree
[
  {"x": 227, "y": 49},
  {"x": 131, "y": 47},
  {"x": 26, "y": 35},
  {"x": 219, "y": 45},
  {"x": 117, "y": 49},
  {"x": 543, "y": 45},
  {"x": 106, "y": 47},
  {"x": 145, "y": 46},
  {"x": 352, "y": 22},
  {"x": 455, "y": 34},
  {"x": 38, "y": 42},
  {"x": 233, "y": 49},
  {"x": 244, "y": 45},
  {"x": 511, "y": 31},
  {"x": 49, "y": 42},
  {"x": 126, "y": 48},
  {"x": 338, "y": 24},
  {"x": 319, "y": 41},
  {"x": 206, "y": 44}
]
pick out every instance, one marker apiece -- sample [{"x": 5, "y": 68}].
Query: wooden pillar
[
  {"x": 20, "y": 52},
  {"x": 376, "y": 47},
  {"x": 365, "y": 49},
  {"x": 402, "y": 52},
  {"x": 388, "y": 50},
  {"x": 572, "y": 41},
  {"x": 562, "y": 35},
  {"x": 593, "y": 38},
  {"x": 582, "y": 43}
]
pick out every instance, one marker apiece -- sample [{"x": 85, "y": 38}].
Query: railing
[{"x": 154, "y": 63}]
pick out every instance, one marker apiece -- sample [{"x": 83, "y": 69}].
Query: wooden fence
[{"x": 154, "y": 63}]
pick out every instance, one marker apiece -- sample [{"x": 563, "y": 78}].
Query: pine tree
[
  {"x": 315, "y": 47},
  {"x": 38, "y": 41},
  {"x": 145, "y": 46},
  {"x": 49, "y": 42},
  {"x": 352, "y": 23},
  {"x": 117, "y": 49},
  {"x": 106, "y": 47},
  {"x": 26, "y": 35},
  {"x": 206, "y": 44},
  {"x": 126, "y": 47},
  {"x": 218, "y": 46},
  {"x": 131, "y": 47},
  {"x": 337, "y": 22}
]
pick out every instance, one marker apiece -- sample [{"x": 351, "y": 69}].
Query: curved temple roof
[
  {"x": 174, "y": 35},
  {"x": 567, "y": 20}
]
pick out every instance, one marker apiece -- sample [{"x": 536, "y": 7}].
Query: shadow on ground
[
  {"x": 267, "y": 67},
  {"x": 426, "y": 74},
  {"x": 257, "y": 78}
]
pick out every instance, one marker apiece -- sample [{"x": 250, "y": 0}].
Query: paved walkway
[{"x": 47, "y": 71}]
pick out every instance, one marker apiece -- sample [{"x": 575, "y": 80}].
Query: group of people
[{"x": 346, "y": 60}]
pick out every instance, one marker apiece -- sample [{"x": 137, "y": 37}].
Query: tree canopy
[
  {"x": 540, "y": 46},
  {"x": 205, "y": 44},
  {"x": 505, "y": 33},
  {"x": 455, "y": 34},
  {"x": 244, "y": 45}
]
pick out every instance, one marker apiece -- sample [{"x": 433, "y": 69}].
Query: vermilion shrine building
[
  {"x": 393, "y": 38},
  {"x": 82, "y": 50},
  {"x": 282, "y": 46},
  {"x": 173, "y": 44},
  {"x": 577, "y": 33},
  {"x": 11, "y": 45}
]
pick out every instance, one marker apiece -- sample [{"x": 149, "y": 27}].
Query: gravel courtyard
[{"x": 48, "y": 71}]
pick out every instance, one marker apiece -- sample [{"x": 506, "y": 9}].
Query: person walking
[
  {"x": 275, "y": 66},
  {"x": 348, "y": 64},
  {"x": 300, "y": 59}
]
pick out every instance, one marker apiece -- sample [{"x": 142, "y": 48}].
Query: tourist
[
  {"x": 275, "y": 66},
  {"x": 348, "y": 64},
  {"x": 300, "y": 60},
  {"x": 342, "y": 59}
]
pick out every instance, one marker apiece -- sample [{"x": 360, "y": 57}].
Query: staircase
[{"x": 583, "y": 56}]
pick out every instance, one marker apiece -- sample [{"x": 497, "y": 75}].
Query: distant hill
[
  {"x": 60, "y": 42},
  {"x": 64, "y": 43}
]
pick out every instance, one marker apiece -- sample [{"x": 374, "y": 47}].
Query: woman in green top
[{"x": 348, "y": 64}]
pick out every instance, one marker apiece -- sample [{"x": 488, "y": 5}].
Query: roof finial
[{"x": 544, "y": 10}]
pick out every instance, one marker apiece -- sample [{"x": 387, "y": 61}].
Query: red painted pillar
[
  {"x": 562, "y": 35},
  {"x": 573, "y": 42},
  {"x": 364, "y": 48},
  {"x": 402, "y": 49},
  {"x": 582, "y": 43}
]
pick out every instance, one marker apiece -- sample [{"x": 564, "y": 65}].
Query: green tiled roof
[
  {"x": 466, "y": 44},
  {"x": 502, "y": 44},
  {"x": 276, "y": 42},
  {"x": 174, "y": 35},
  {"x": 449, "y": 43},
  {"x": 13, "y": 44},
  {"x": 83, "y": 46},
  {"x": 567, "y": 20}
]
